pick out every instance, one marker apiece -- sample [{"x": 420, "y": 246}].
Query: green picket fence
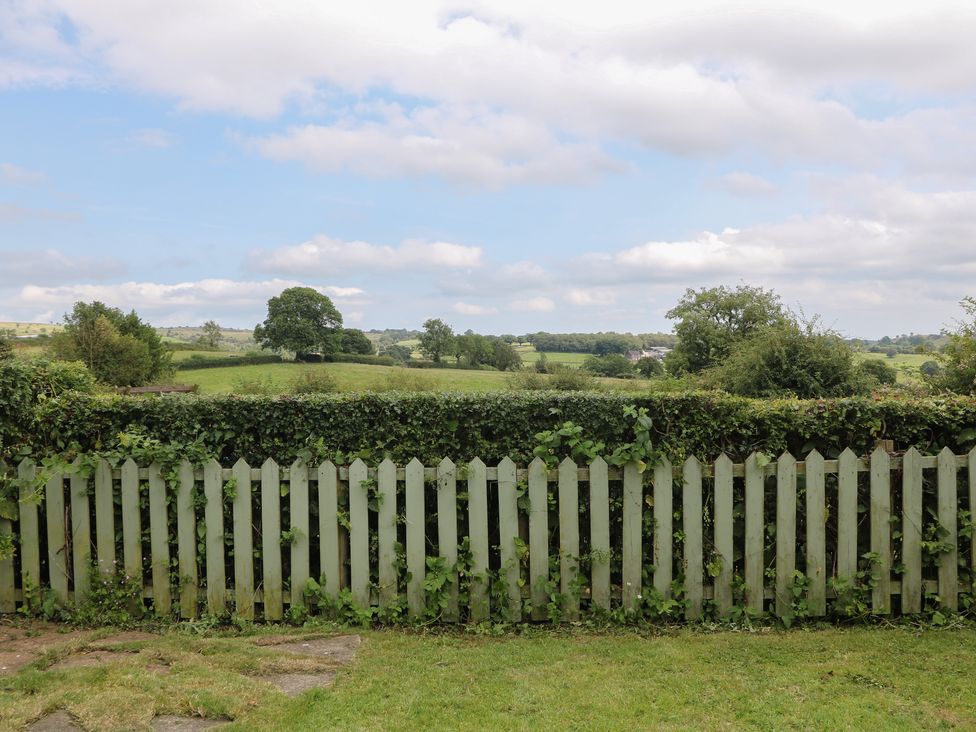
[{"x": 780, "y": 536}]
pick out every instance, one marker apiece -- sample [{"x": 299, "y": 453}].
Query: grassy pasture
[
  {"x": 362, "y": 377},
  {"x": 860, "y": 678},
  {"x": 22, "y": 329},
  {"x": 906, "y": 364}
]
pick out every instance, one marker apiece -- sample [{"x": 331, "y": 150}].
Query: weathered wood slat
[
  {"x": 359, "y": 533},
  {"x": 213, "y": 491},
  {"x": 663, "y": 528},
  {"x": 447, "y": 532},
  {"x": 298, "y": 517},
  {"x": 57, "y": 538},
  {"x": 328, "y": 487},
  {"x": 754, "y": 558},
  {"x": 948, "y": 498},
  {"x": 510, "y": 570},
  {"x": 243, "y": 542},
  {"x": 131, "y": 523},
  {"x": 691, "y": 516},
  {"x": 271, "y": 540},
  {"x": 8, "y": 591},
  {"x": 104, "y": 517},
  {"x": 159, "y": 542},
  {"x": 816, "y": 524},
  {"x": 186, "y": 538},
  {"x": 599, "y": 534},
  {"x": 911, "y": 530},
  {"x": 387, "y": 532},
  {"x": 847, "y": 515},
  {"x": 785, "y": 534},
  {"x": 723, "y": 535},
  {"x": 569, "y": 539},
  {"x": 881, "y": 529},
  {"x": 631, "y": 551},
  {"x": 478, "y": 531},
  {"x": 81, "y": 534},
  {"x": 971, "y": 468},
  {"x": 416, "y": 538},
  {"x": 538, "y": 537}
]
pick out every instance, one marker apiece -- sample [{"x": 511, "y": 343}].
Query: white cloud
[
  {"x": 745, "y": 184},
  {"x": 17, "y": 176},
  {"x": 505, "y": 93},
  {"x": 478, "y": 149},
  {"x": 161, "y": 303},
  {"x": 465, "y": 308},
  {"x": 324, "y": 255},
  {"x": 591, "y": 296},
  {"x": 153, "y": 138},
  {"x": 533, "y": 305}
]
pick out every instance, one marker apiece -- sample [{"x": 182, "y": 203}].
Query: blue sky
[{"x": 500, "y": 165}]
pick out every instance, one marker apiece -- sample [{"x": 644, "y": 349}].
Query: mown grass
[
  {"x": 530, "y": 356},
  {"x": 861, "y": 678}
]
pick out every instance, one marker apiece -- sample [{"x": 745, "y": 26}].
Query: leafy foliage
[
  {"x": 959, "y": 358},
  {"x": 302, "y": 320},
  {"x": 353, "y": 340},
  {"x": 881, "y": 372},
  {"x": 711, "y": 321},
  {"x": 120, "y": 349},
  {"x": 613, "y": 365},
  {"x": 437, "y": 340}
]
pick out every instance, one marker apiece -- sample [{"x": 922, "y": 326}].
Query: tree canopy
[
  {"x": 119, "y": 348},
  {"x": 710, "y": 321},
  {"x": 301, "y": 320},
  {"x": 437, "y": 340}
]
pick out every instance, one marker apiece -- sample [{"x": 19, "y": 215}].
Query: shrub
[
  {"x": 254, "y": 385},
  {"x": 527, "y": 381},
  {"x": 318, "y": 381},
  {"x": 959, "y": 358},
  {"x": 359, "y": 358},
  {"x": 790, "y": 359},
  {"x": 613, "y": 365},
  {"x": 649, "y": 366},
  {"x": 879, "y": 371},
  {"x": 564, "y": 378},
  {"x": 251, "y": 358}
]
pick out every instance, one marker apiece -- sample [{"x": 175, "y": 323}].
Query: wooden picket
[{"x": 569, "y": 511}]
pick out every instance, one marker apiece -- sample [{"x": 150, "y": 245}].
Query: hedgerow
[{"x": 430, "y": 426}]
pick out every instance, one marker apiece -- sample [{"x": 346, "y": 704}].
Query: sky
[{"x": 506, "y": 166}]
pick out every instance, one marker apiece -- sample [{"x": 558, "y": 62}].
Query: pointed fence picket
[{"x": 754, "y": 533}]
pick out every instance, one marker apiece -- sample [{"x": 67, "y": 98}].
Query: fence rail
[{"x": 782, "y": 536}]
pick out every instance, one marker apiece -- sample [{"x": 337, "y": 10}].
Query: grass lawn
[
  {"x": 530, "y": 356},
  {"x": 862, "y": 678},
  {"x": 360, "y": 377}
]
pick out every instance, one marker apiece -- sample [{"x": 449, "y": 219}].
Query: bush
[
  {"x": 930, "y": 369},
  {"x": 254, "y": 385},
  {"x": 564, "y": 378},
  {"x": 649, "y": 366},
  {"x": 319, "y": 381},
  {"x": 490, "y": 426},
  {"x": 527, "y": 381},
  {"x": 959, "y": 358},
  {"x": 358, "y": 358},
  {"x": 790, "y": 359},
  {"x": 879, "y": 371}
]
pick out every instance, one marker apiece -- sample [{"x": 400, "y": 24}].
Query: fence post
[
  {"x": 599, "y": 534},
  {"x": 569, "y": 538},
  {"x": 785, "y": 533},
  {"x": 723, "y": 534},
  {"x": 538, "y": 537},
  {"x": 881, "y": 529}
]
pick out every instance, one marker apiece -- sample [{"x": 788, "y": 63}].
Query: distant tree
[
  {"x": 891, "y": 352},
  {"x": 302, "y": 320},
  {"x": 614, "y": 365},
  {"x": 354, "y": 340},
  {"x": 930, "y": 369},
  {"x": 649, "y": 366},
  {"x": 542, "y": 364},
  {"x": 211, "y": 334},
  {"x": 437, "y": 340},
  {"x": 710, "y": 322},
  {"x": 472, "y": 348},
  {"x": 879, "y": 371},
  {"x": 606, "y": 346},
  {"x": 400, "y": 353},
  {"x": 119, "y": 348},
  {"x": 504, "y": 357}
]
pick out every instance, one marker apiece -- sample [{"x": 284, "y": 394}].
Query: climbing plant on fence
[{"x": 645, "y": 539}]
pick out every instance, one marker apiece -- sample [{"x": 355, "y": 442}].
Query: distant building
[{"x": 658, "y": 352}]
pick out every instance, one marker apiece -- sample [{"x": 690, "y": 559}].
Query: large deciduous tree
[
  {"x": 119, "y": 348},
  {"x": 437, "y": 340},
  {"x": 711, "y": 321},
  {"x": 355, "y": 341},
  {"x": 302, "y": 320}
]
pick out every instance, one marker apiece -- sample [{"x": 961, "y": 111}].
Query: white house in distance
[{"x": 658, "y": 352}]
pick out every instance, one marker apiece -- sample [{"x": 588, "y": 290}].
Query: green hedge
[
  {"x": 462, "y": 426},
  {"x": 248, "y": 359},
  {"x": 360, "y": 358}
]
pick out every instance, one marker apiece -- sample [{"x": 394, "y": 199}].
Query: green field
[
  {"x": 530, "y": 356},
  {"x": 235, "y": 339},
  {"x": 764, "y": 679},
  {"x": 22, "y": 329},
  {"x": 278, "y": 377},
  {"x": 906, "y": 364}
]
